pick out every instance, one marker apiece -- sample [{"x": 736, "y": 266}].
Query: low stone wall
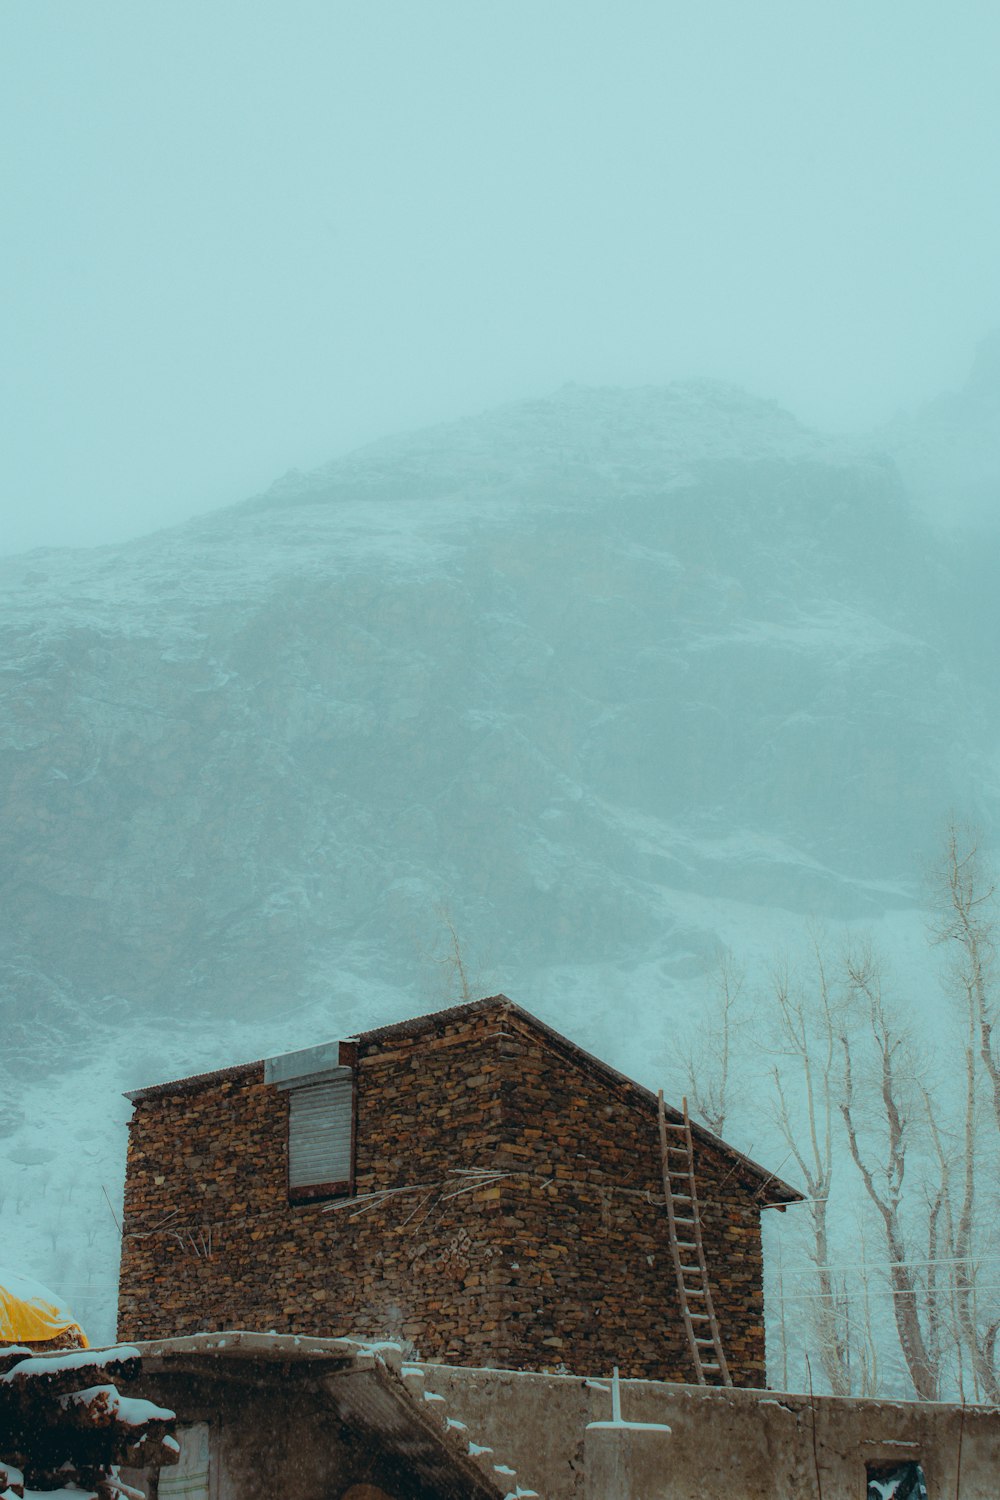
[{"x": 754, "y": 1445}]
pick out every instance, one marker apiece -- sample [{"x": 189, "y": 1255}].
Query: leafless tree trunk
[
  {"x": 884, "y": 1182},
  {"x": 807, "y": 1035},
  {"x": 863, "y": 1344},
  {"x": 938, "y": 1218},
  {"x": 968, "y": 923}
]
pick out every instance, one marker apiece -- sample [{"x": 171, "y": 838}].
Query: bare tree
[
  {"x": 839, "y": 1054},
  {"x": 806, "y": 1026},
  {"x": 945, "y": 1278},
  {"x": 453, "y": 961},
  {"x": 884, "y": 1179},
  {"x": 862, "y": 1340},
  {"x": 463, "y": 978},
  {"x": 967, "y": 924},
  {"x": 708, "y": 1064}
]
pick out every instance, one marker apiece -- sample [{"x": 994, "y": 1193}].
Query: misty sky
[{"x": 241, "y": 237}]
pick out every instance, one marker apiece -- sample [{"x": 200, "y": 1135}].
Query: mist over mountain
[
  {"x": 568, "y": 676},
  {"x": 570, "y": 698},
  {"x": 556, "y": 700},
  {"x": 948, "y": 452}
]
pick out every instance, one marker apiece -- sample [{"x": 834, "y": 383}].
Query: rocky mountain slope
[{"x": 593, "y": 682}]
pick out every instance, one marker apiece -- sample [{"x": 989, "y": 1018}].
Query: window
[
  {"x": 319, "y": 1082},
  {"x": 896, "y": 1481},
  {"x": 320, "y": 1139}
]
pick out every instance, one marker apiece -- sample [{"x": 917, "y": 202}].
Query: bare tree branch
[{"x": 884, "y": 1183}]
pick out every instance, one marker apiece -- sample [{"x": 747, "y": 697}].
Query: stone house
[{"x": 469, "y": 1182}]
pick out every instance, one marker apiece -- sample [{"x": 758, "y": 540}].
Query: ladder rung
[{"x": 681, "y": 1188}]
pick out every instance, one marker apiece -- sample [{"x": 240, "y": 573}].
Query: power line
[
  {"x": 880, "y": 1265},
  {"x": 923, "y": 1293}
]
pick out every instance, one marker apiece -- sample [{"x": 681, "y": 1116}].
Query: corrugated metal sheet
[
  {"x": 319, "y": 1133},
  {"x": 303, "y": 1064}
]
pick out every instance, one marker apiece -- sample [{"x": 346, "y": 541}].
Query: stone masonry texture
[{"x": 507, "y": 1210}]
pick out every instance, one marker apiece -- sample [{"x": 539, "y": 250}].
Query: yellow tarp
[{"x": 30, "y": 1314}]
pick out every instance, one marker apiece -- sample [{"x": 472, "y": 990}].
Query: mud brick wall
[{"x": 561, "y": 1263}]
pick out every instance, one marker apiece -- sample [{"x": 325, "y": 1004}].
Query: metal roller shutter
[{"x": 319, "y": 1133}]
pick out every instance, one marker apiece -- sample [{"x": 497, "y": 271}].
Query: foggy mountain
[
  {"x": 569, "y": 698},
  {"x": 569, "y": 673},
  {"x": 949, "y": 452},
  {"x": 594, "y": 682}
]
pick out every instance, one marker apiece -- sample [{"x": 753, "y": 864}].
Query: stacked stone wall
[
  {"x": 211, "y": 1241},
  {"x": 507, "y": 1212},
  {"x": 589, "y": 1276}
]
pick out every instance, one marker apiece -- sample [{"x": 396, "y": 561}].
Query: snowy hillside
[{"x": 597, "y": 682}]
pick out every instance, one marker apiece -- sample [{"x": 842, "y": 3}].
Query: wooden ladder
[{"x": 687, "y": 1251}]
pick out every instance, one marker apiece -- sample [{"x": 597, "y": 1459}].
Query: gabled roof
[{"x": 635, "y": 1094}]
